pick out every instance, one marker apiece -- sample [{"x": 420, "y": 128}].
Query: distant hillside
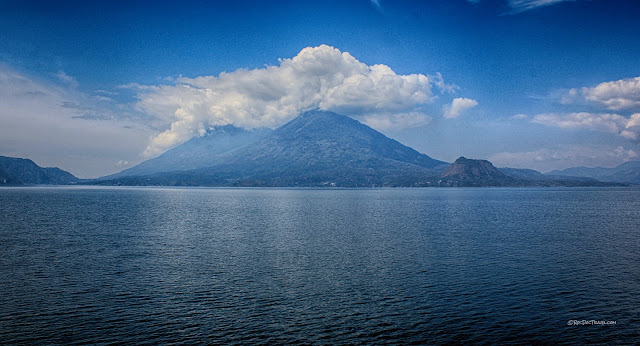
[
  {"x": 480, "y": 173},
  {"x": 17, "y": 171},
  {"x": 522, "y": 173},
  {"x": 7, "y": 179},
  {"x": 533, "y": 175},
  {"x": 468, "y": 172},
  {"x": 628, "y": 172}
]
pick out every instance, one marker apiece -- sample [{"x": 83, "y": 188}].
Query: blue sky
[{"x": 97, "y": 86}]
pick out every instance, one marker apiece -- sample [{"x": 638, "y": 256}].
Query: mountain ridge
[
  {"x": 320, "y": 148},
  {"x": 315, "y": 149},
  {"x": 20, "y": 171},
  {"x": 627, "y": 172}
]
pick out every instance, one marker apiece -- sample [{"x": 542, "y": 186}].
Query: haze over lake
[{"x": 346, "y": 266}]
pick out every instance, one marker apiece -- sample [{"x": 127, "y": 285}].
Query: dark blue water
[{"x": 244, "y": 266}]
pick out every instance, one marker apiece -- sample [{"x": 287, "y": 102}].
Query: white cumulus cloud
[
  {"x": 318, "y": 77},
  {"x": 457, "y": 106},
  {"x": 622, "y": 94}
]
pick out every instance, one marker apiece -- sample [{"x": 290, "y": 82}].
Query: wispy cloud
[
  {"x": 519, "y": 116},
  {"x": 66, "y": 79},
  {"x": 439, "y": 82},
  {"x": 518, "y": 6},
  {"x": 628, "y": 128},
  {"x": 318, "y": 77},
  {"x": 560, "y": 157},
  {"x": 56, "y": 125},
  {"x": 391, "y": 121}
]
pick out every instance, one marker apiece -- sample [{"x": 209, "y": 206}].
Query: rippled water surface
[{"x": 112, "y": 265}]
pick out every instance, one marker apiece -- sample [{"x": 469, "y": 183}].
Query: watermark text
[{"x": 589, "y": 322}]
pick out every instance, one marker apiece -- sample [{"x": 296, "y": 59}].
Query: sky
[{"x": 94, "y": 87}]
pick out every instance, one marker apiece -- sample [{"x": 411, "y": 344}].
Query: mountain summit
[{"x": 317, "y": 148}]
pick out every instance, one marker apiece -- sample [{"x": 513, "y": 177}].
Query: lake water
[{"x": 313, "y": 266}]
